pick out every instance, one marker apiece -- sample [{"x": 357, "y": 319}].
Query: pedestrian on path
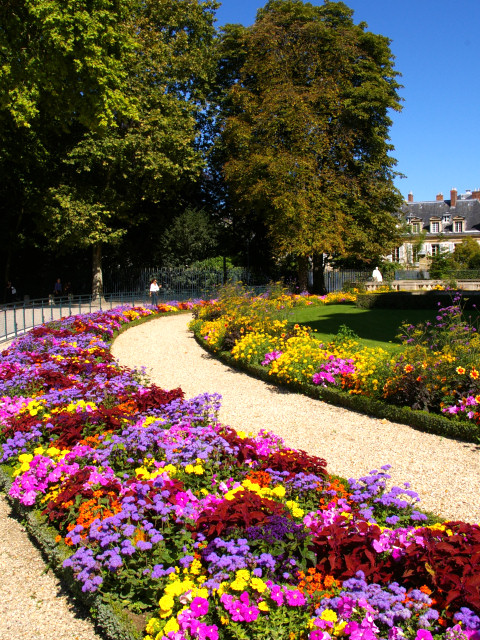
[{"x": 154, "y": 289}]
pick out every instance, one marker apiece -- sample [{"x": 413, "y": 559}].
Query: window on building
[
  {"x": 434, "y": 227},
  {"x": 396, "y": 255},
  {"x": 435, "y": 249},
  {"x": 415, "y": 227},
  {"x": 458, "y": 226}
]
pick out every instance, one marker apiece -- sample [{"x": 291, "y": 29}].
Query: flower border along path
[
  {"x": 232, "y": 535},
  {"x": 444, "y": 471}
]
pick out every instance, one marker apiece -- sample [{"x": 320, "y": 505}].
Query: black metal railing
[{"x": 16, "y": 318}]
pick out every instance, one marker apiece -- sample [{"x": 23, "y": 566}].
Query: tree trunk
[
  {"x": 318, "y": 286},
  {"x": 225, "y": 273},
  {"x": 97, "y": 275},
  {"x": 302, "y": 273}
]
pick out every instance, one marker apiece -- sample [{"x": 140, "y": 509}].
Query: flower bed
[
  {"x": 211, "y": 533},
  {"x": 436, "y": 372}
]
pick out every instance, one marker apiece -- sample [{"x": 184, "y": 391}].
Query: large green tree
[
  {"x": 111, "y": 92},
  {"x": 304, "y": 130},
  {"x": 62, "y": 72}
]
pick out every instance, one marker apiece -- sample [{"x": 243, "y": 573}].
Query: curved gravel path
[{"x": 445, "y": 472}]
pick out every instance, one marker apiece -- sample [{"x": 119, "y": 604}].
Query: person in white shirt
[{"x": 154, "y": 289}]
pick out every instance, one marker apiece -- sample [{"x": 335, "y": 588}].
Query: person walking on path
[
  {"x": 154, "y": 289},
  {"x": 57, "y": 288}
]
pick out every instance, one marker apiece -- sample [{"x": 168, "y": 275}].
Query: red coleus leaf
[{"x": 246, "y": 509}]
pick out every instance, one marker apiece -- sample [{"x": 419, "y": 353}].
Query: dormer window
[
  {"x": 458, "y": 226},
  {"x": 415, "y": 227},
  {"x": 434, "y": 227},
  {"x": 446, "y": 219}
]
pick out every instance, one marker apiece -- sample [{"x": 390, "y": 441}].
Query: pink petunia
[
  {"x": 199, "y": 606},
  {"x": 423, "y": 634},
  {"x": 295, "y": 598}
]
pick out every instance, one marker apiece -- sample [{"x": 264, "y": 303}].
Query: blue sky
[{"x": 436, "y": 44}]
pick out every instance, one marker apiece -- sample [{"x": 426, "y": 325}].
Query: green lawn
[{"x": 375, "y": 327}]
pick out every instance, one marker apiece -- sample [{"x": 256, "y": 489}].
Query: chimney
[
  {"x": 410, "y": 197},
  {"x": 439, "y": 197},
  {"x": 476, "y": 194},
  {"x": 453, "y": 197}
]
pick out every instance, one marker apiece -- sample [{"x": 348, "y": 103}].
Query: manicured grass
[{"x": 375, "y": 327}]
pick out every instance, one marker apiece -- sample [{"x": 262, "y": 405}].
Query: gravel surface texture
[
  {"x": 445, "y": 472},
  {"x": 33, "y": 604}
]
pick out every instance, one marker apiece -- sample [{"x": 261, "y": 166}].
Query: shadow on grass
[{"x": 376, "y": 327}]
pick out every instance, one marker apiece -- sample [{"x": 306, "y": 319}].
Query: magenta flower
[
  {"x": 199, "y": 606},
  {"x": 250, "y": 614},
  {"x": 295, "y": 598},
  {"x": 423, "y": 634},
  {"x": 276, "y": 594},
  {"x": 270, "y": 357}
]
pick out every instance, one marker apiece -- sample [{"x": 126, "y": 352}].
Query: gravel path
[
  {"x": 32, "y": 601},
  {"x": 446, "y": 473}
]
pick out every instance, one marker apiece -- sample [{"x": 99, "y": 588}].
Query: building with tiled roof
[{"x": 437, "y": 226}]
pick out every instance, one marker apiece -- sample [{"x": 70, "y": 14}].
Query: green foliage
[
  {"x": 410, "y": 300},
  {"x": 344, "y": 334},
  {"x": 440, "y": 264},
  {"x": 305, "y": 126},
  {"x": 387, "y": 269},
  {"x": 213, "y": 263},
  {"x": 467, "y": 254},
  {"x": 108, "y": 96},
  {"x": 192, "y": 237},
  {"x": 67, "y": 60}
]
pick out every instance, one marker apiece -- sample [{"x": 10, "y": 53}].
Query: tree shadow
[{"x": 377, "y": 325}]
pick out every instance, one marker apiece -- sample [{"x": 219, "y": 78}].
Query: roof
[{"x": 468, "y": 209}]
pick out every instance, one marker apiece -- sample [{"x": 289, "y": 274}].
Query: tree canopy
[
  {"x": 305, "y": 122},
  {"x": 118, "y": 115},
  {"x": 109, "y": 93}
]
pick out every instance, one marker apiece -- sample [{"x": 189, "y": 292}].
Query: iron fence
[
  {"x": 177, "y": 283},
  {"x": 336, "y": 278},
  {"x": 16, "y": 318}
]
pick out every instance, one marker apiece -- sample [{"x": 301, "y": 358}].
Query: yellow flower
[
  {"x": 242, "y": 574},
  {"x": 195, "y": 567},
  {"x": 153, "y": 626},
  {"x": 239, "y": 584},
  {"x": 460, "y": 371},
  {"x": 258, "y": 584},
  {"x": 263, "y": 606},
  {"x": 170, "y": 469},
  {"x": 172, "y": 625},
  {"x": 279, "y": 491},
  {"x": 189, "y": 468},
  {"x": 329, "y": 615},
  {"x": 338, "y": 629},
  {"x": 166, "y": 602}
]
